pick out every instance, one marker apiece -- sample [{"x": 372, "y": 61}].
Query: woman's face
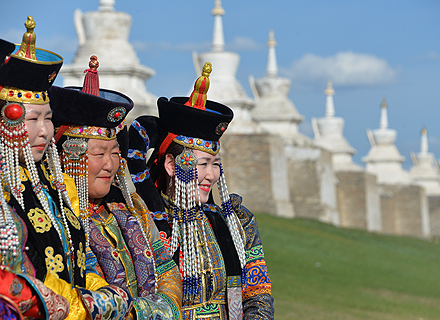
[
  {"x": 103, "y": 166},
  {"x": 208, "y": 170},
  {"x": 38, "y": 120}
]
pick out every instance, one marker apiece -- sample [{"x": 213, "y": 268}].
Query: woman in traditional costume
[
  {"x": 218, "y": 249},
  {"x": 40, "y": 236},
  {"x": 92, "y": 139}
]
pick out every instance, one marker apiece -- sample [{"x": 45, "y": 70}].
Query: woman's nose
[
  {"x": 108, "y": 164},
  {"x": 44, "y": 130},
  {"x": 209, "y": 173}
]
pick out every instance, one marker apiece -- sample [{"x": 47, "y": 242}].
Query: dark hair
[{"x": 157, "y": 170}]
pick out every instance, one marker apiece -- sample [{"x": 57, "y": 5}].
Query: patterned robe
[
  {"x": 126, "y": 260},
  {"x": 214, "y": 299},
  {"x": 43, "y": 259}
]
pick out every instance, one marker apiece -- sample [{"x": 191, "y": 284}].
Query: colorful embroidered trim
[
  {"x": 212, "y": 147},
  {"x": 141, "y": 176},
  {"x": 254, "y": 253},
  {"x": 233, "y": 281},
  {"x": 209, "y": 309},
  {"x": 136, "y": 154},
  {"x": 24, "y": 96},
  {"x": 165, "y": 267},
  {"x": 172, "y": 305},
  {"x": 142, "y": 132},
  {"x": 159, "y": 215},
  {"x": 93, "y": 132},
  {"x": 257, "y": 280}
]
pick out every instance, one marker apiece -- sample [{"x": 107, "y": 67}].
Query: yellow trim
[
  {"x": 39, "y": 61},
  {"x": 194, "y": 146},
  {"x": 4, "y": 95}
]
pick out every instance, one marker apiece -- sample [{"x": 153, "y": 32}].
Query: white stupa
[
  {"x": 329, "y": 136},
  {"x": 273, "y": 111},
  {"x": 225, "y": 87},
  {"x": 105, "y": 33},
  {"x": 425, "y": 171},
  {"x": 383, "y": 159}
]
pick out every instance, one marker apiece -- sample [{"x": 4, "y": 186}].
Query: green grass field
[{"x": 322, "y": 272}]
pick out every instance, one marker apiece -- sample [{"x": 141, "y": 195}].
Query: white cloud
[
  {"x": 242, "y": 44},
  {"x": 344, "y": 69},
  {"x": 238, "y": 44},
  {"x": 143, "y": 46},
  {"x": 430, "y": 56},
  {"x": 58, "y": 43},
  {"x": 194, "y": 46},
  {"x": 12, "y": 35}
]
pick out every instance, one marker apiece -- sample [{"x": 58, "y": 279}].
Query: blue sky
[{"x": 368, "y": 48}]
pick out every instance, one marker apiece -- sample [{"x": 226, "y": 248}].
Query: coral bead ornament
[{"x": 13, "y": 114}]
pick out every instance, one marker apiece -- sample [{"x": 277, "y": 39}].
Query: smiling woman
[
  {"x": 91, "y": 137},
  {"x": 103, "y": 165},
  {"x": 218, "y": 249},
  {"x": 44, "y": 271}
]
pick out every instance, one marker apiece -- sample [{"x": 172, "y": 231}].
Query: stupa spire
[
  {"x": 218, "y": 40},
  {"x": 424, "y": 142},
  {"x": 384, "y": 114},
  {"x": 106, "y": 5},
  {"x": 329, "y": 104},
  {"x": 272, "y": 68}
]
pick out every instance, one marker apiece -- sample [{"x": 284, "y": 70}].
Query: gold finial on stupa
[
  {"x": 218, "y": 10},
  {"x": 271, "y": 43},
  {"x": 329, "y": 91},
  {"x": 424, "y": 131},
  {"x": 384, "y": 103},
  {"x": 27, "y": 48}
]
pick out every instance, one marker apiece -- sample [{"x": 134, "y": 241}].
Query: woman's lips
[
  {"x": 40, "y": 147},
  {"x": 104, "y": 178},
  {"x": 205, "y": 187}
]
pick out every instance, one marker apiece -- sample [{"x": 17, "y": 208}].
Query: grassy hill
[{"x": 322, "y": 272}]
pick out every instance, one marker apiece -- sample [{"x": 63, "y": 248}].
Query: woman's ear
[{"x": 169, "y": 164}]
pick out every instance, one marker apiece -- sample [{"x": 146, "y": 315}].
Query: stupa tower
[
  {"x": 329, "y": 136},
  {"x": 225, "y": 87},
  {"x": 105, "y": 33},
  {"x": 425, "y": 171},
  {"x": 383, "y": 159},
  {"x": 273, "y": 111}
]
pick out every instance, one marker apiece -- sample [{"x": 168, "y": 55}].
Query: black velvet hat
[
  {"x": 88, "y": 111},
  {"x": 180, "y": 119},
  {"x": 71, "y": 106},
  {"x": 194, "y": 122},
  {"x": 27, "y": 72}
]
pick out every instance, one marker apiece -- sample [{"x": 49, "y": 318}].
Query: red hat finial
[{"x": 91, "y": 80}]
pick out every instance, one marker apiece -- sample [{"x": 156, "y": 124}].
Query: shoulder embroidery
[
  {"x": 71, "y": 217},
  {"x": 54, "y": 264},
  {"x": 39, "y": 220}
]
